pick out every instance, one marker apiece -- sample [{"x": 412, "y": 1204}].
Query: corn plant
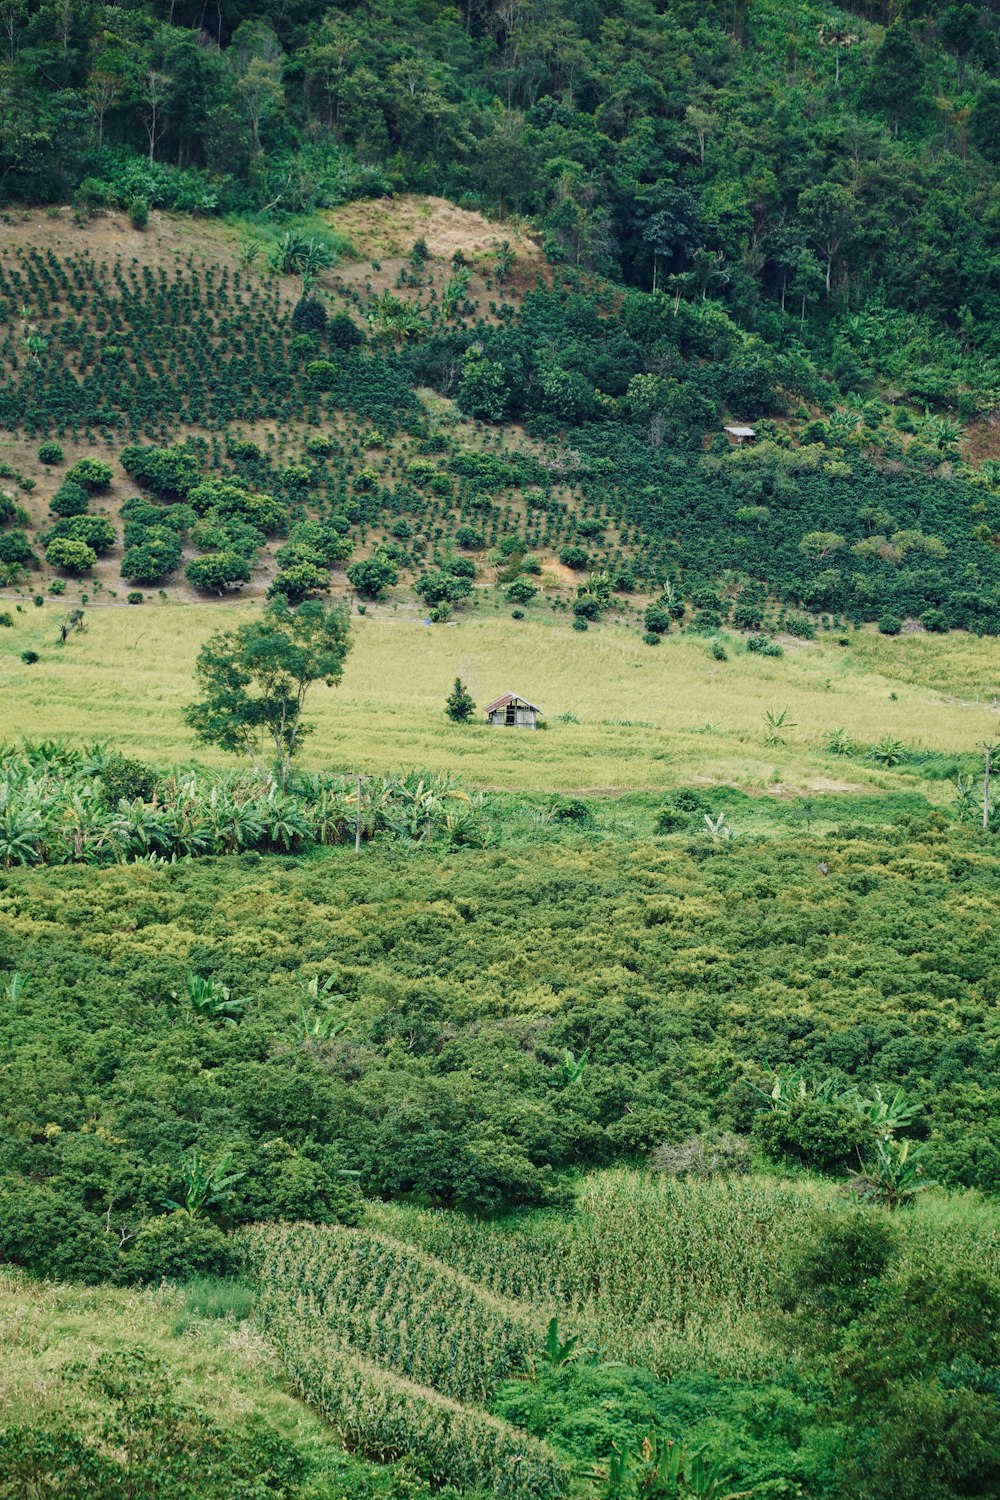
[
  {"x": 385, "y": 1417},
  {"x": 391, "y": 1303}
]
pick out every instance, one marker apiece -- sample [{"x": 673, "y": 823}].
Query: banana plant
[
  {"x": 718, "y": 829},
  {"x": 894, "y": 1175},
  {"x": 20, "y": 834},
  {"x": 207, "y": 999},
  {"x": 663, "y": 1469},
  {"x": 558, "y": 1351},
  {"x": 966, "y": 800},
  {"x": 15, "y": 987},
  {"x": 204, "y": 1186},
  {"x": 777, "y": 722},
  {"x": 573, "y": 1067},
  {"x": 318, "y": 1018}
]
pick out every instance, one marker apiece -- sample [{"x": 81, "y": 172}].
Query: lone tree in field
[
  {"x": 460, "y": 704},
  {"x": 255, "y": 679}
]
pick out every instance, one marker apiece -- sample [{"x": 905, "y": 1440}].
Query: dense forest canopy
[{"x": 747, "y": 151}]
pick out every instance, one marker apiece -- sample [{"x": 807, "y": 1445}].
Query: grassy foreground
[{"x": 648, "y": 718}]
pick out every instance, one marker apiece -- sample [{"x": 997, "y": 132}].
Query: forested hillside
[
  {"x": 786, "y": 217},
  {"x": 761, "y": 152}
]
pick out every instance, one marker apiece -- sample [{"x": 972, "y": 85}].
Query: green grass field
[{"x": 648, "y": 718}]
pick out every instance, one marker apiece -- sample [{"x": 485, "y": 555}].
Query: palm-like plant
[
  {"x": 204, "y": 1186},
  {"x": 777, "y": 722},
  {"x": 894, "y": 1174},
  {"x": 318, "y": 1015},
  {"x": 208, "y": 999}
]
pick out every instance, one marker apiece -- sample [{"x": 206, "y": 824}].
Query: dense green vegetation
[
  {"x": 544, "y": 1145},
  {"x": 358, "y": 1013},
  {"x": 198, "y": 1045}
]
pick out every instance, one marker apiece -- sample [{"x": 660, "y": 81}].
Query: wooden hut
[
  {"x": 512, "y": 712},
  {"x": 739, "y": 434}
]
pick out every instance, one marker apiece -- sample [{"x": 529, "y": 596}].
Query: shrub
[
  {"x": 122, "y": 776},
  {"x": 587, "y": 607},
  {"x": 298, "y": 581},
  {"x": 282, "y": 1181},
  {"x": 72, "y": 557},
  {"x": 761, "y": 644},
  {"x": 309, "y": 316},
  {"x": 15, "y": 549},
  {"x": 91, "y": 473},
  {"x": 574, "y": 557},
  {"x": 322, "y": 374},
  {"x": 96, "y": 531},
  {"x": 168, "y": 472},
  {"x": 799, "y": 625},
  {"x": 651, "y": 639},
  {"x": 748, "y": 616},
  {"x": 51, "y": 1235},
  {"x": 70, "y": 499},
  {"x": 935, "y": 620},
  {"x": 324, "y": 543},
  {"x": 572, "y": 810},
  {"x": 154, "y": 557},
  {"x": 138, "y": 213},
  {"x": 176, "y": 1247},
  {"x": 460, "y": 704},
  {"x": 468, "y": 537},
  {"x": 579, "y": 623},
  {"x": 442, "y": 587},
  {"x": 890, "y": 625},
  {"x": 343, "y": 333},
  {"x": 520, "y": 591},
  {"x": 670, "y": 819},
  {"x": 29, "y": 657},
  {"x": 719, "y": 652},
  {"x": 818, "y": 1133},
  {"x": 657, "y": 619},
  {"x": 135, "y": 596},
  {"x": 6, "y": 620},
  {"x": 50, "y": 453},
  {"x": 517, "y": 614},
  {"x": 703, "y": 1156}
]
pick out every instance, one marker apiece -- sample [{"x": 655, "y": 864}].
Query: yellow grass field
[{"x": 649, "y": 717}]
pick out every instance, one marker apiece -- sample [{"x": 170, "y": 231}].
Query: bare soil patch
[{"x": 388, "y": 227}]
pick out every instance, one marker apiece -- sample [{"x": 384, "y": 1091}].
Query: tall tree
[{"x": 255, "y": 680}]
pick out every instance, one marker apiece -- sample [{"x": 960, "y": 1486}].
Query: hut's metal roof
[
  {"x": 514, "y": 698},
  {"x": 742, "y": 431}
]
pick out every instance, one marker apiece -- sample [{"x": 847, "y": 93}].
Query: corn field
[
  {"x": 396, "y": 1351},
  {"x": 392, "y": 1304},
  {"x": 661, "y": 1271}
]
